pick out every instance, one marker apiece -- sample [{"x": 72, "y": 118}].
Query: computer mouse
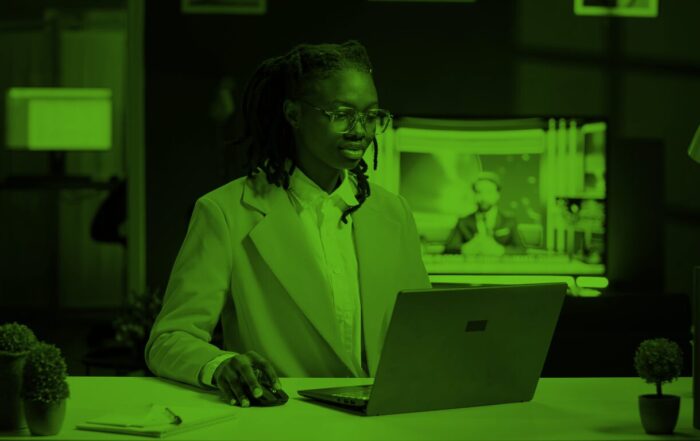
[{"x": 270, "y": 397}]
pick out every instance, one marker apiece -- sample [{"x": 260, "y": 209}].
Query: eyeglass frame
[{"x": 362, "y": 116}]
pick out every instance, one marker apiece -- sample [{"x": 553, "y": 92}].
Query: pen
[{"x": 178, "y": 420}]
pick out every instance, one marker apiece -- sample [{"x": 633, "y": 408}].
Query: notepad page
[{"x": 154, "y": 422}]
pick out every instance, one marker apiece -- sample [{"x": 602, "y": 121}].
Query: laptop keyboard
[{"x": 358, "y": 393}]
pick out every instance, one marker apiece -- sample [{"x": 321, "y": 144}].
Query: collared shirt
[{"x": 333, "y": 244}]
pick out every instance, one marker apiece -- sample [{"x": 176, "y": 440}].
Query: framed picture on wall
[
  {"x": 640, "y": 8},
  {"x": 247, "y": 7},
  {"x": 426, "y": 1}
]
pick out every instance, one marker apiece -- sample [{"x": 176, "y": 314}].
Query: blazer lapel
[
  {"x": 376, "y": 267},
  {"x": 279, "y": 238}
]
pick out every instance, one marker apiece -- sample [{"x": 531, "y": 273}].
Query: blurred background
[{"x": 88, "y": 238}]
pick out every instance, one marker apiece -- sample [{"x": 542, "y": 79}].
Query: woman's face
[{"x": 322, "y": 152}]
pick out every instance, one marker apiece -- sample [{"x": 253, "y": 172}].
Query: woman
[{"x": 302, "y": 258}]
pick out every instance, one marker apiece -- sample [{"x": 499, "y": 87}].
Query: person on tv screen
[
  {"x": 487, "y": 231},
  {"x": 301, "y": 259}
]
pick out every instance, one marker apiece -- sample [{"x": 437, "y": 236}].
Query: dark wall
[
  {"x": 489, "y": 58},
  {"x": 643, "y": 75},
  {"x": 636, "y": 216},
  {"x": 441, "y": 59},
  {"x": 47, "y": 256}
]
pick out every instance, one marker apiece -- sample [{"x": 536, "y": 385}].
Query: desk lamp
[
  {"x": 694, "y": 153},
  {"x": 57, "y": 120}
]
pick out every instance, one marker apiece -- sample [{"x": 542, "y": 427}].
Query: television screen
[{"x": 499, "y": 196}]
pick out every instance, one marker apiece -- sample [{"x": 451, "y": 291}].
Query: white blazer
[{"x": 244, "y": 260}]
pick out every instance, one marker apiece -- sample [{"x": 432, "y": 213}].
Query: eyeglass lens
[{"x": 373, "y": 122}]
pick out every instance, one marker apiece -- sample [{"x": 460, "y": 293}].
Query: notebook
[{"x": 158, "y": 420}]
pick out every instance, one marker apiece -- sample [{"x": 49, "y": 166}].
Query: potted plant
[
  {"x": 658, "y": 361},
  {"x": 133, "y": 323},
  {"x": 122, "y": 349},
  {"x": 16, "y": 340},
  {"x": 44, "y": 389}
]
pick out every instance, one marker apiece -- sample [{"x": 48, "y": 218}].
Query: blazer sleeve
[{"x": 179, "y": 343}]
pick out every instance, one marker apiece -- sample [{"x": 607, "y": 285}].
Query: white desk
[{"x": 562, "y": 409}]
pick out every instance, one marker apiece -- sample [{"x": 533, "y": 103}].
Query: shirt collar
[{"x": 309, "y": 193}]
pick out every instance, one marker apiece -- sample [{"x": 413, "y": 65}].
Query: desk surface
[{"x": 562, "y": 409}]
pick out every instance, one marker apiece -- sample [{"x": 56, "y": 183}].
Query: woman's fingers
[
  {"x": 266, "y": 367},
  {"x": 240, "y": 377},
  {"x": 226, "y": 392},
  {"x": 244, "y": 367},
  {"x": 235, "y": 390}
]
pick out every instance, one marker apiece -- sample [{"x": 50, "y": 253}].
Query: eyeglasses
[{"x": 342, "y": 120}]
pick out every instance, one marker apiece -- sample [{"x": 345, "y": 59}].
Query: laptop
[{"x": 457, "y": 347}]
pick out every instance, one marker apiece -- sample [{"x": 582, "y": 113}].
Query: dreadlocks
[{"x": 265, "y": 129}]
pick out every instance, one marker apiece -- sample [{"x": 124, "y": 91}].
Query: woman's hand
[{"x": 239, "y": 378}]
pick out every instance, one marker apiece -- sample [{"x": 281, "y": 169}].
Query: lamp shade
[
  {"x": 58, "y": 119},
  {"x": 694, "y": 149}
]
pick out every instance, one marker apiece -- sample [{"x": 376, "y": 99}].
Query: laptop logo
[{"x": 476, "y": 325}]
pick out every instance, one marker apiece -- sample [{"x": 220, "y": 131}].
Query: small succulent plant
[
  {"x": 44, "y": 377},
  {"x": 658, "y": 361},
  {"x": 16, "y": 338}
]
